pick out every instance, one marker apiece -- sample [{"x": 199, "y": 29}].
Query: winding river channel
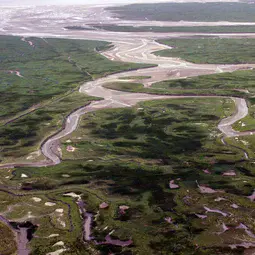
[
  {"x": 127, "y": 47},
  {"x": 139, "y": 51}
]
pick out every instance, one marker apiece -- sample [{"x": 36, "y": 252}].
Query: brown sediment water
[
  {"x": 117, "y": 242},
  {"x": 245, "y": 245},
  {"x": 172, "y": 185},
  {"x": 218, "y": 199},
  {"x": 104, "y": 205},
  {"x": 229, "y": 173},
  {"x": 169, "y": 220},
  {"x": 88, "y": 220},
  {"x": 224, "y": 228},
  {"x": 250, "y": 251},
  {"x": 235, "y": 206},
  {"x": 23, "y": 241},
  {"x": 205, "y": 189},
  {"x": 246, "y": 229},
  {"x": 252, "y": 196},
  {"x": 27, "y": 41},
  {"x": 87, "y": 226},
  {"x": 25, "y": 234},
  {"x": 201, "y": 216},
  {"x": 215, "y": 211}
]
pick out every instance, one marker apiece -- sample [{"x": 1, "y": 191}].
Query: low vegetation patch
[
  {"x": 210, "y": 50},
  {"x": 7, "y": 240},
  {"x": 235, "y": 12},
  {"x": 238, "y": 83}
]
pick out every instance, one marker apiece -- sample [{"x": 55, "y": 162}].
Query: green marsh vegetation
[
  {"x": 7, "y": 240},
  {"x": 128, "y": 156},
  {"x": 225, "y": 84},
  {"x": 50, "y": 68},
  {"x": 237, "y": 84},
  {"x": 34, "y": 104},
  {"x": 210, "y": 50},
  {"x": 24, "y": 135},
  {"x": 235, "y": 12}
]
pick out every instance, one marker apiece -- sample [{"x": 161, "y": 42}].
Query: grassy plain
[
  {"x": 235, "y": 12},
  {"x": 210, "y": 50}
]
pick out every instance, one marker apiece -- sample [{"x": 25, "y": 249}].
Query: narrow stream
[
  {"x": 23, "y": 232},
  {"x": 23, "y": 241},
  {"x": 88, "y": 221}
]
